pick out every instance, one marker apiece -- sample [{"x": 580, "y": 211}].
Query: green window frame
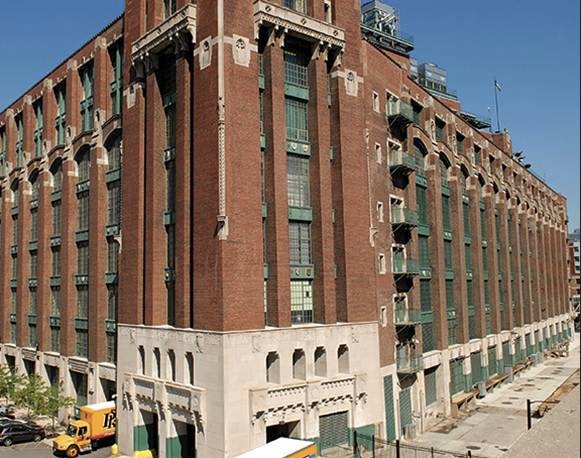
[
  {"x": 55, "y": 301},
  {"x": 39, "y": 128},
  {"x": 297, "y": 128},
  {"x": 14, "y": 229},
  {"x": 301, "y": 301},
  {"x": 424, "y": 252},
  {"x": 55, "y": 339},
  {"x": 116, "y": 89},
  {"x": 83, "y": 258},
  {"x": 82, "y": 301},
  {"x": 56, "y": 218},
  {"x": 296, "y": 67},
  {"x": 33, "y": 264},
  {"x": 446, "y": 213},
  {"x": 114, "y": 202},
  {"x": 112, "y": 256},
  {"x": 450, "y": 305},
  {"x": 297, "y": 5},
  {"x": 422, "y": 205},
  {"x": 426, "y": 295},
  {"x": 19, "y": 140},
  {"x": 61, "y": 118},
  {"x": 448, "y": 255},
  {"x": 440, "y": 130},
  {"x": 466, "y": 215},
  {"x": 299, "y": 194},
  {"x": 83, "y": 211},
  {"x": 34, "y": 225},
  {"x": 300, "y": 243},
  {"x": 56, "y": 261},
  {"x": 468, "y": 256},
  {"x": 82, "y": 344},
  {"x": 86, "y": 105}
]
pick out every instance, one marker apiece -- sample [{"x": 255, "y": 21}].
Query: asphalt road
[{"x": 43, "y": 450}]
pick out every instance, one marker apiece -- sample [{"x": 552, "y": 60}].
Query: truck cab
[{"x": 97, "y": 424}]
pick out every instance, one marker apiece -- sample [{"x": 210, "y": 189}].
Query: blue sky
[{"x": 531, "y": 47}]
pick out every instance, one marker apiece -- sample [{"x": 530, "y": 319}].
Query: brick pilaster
[
  {"x": 527, "y": 291},
  {"x": 22, "y": 296},
  {"x": 43, "y": 295},
  {"x": 476, "y": 253},
  {"x": 504, "y": 255},
  {"x": 493, "y": 270},
  {"x": 514, "y": 240}
]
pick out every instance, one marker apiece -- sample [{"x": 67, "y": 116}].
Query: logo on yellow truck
[{"x": 97, "y": 425}]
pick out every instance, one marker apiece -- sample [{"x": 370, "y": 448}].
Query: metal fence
[{"x": 365, "y": 446}]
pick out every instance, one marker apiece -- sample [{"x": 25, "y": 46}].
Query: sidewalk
[{"x": 499, "y": 420}]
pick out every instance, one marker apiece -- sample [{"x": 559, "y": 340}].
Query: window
[
  {"x": 114, "y": 155},
  {"x": 417, "y": 112},
  {"x": 156, "y": 363},
  {"x": 378, "y": 154},
  {"x": 171, "y": 365},
  {"x": 298, "y": 182},
  {"x": 37, "y": 107},
  {"x": 15, "y": 230},
  {"x": 83, "y": 258},
  {"x": 299, "y": 365},
  {"x": 296, "y": 66},
  {"x": 56, "y": 262},
  {"x": 55, "y": 300},
  {"x": 114, "y": 202},
  {"x": 83, "y": 211},
  {"x": 33, "y": 264},
  {"x": 3, "y": 149},
  {"x": 82, "y": 301},
  {"x": 33, "y": 301},
  {"x": 117, "y": 78},
  {"x": 446, "y": 213},
  {"x": 300, "y": 243},
  {"x": 343, "y": 359},
  {"x": 33, "y": 225},
  {"x": 459, "y": 143},
  {"x": 169, "y": 8},
  {"x": 14, "y": 268},
  {"x": 189, "y": 372},
  {"x": 56, "y": 218},
  {"x": 272, "y": 367},
  {"x": 82, "y": 343},
  {"x": 84, "y": 166},
  {"x": 19, "y": 140},
  {"x": 425, "y": 295},
  {"x": 375, "y": 101},
  {"x": 296, "y": 120},
  {"x": 320, "y": 362},
  {"x": 86, "y": 75},
  {"x": 112, "y": 256},
  {"x": 61, "y": 118},
  {"x": 440, "y": 130},
  {"x": 477, "y": 151},
  {"x": 381, "y": 264},
  {"x": 297, "y": 5},
  {"x": 112, "y": 302},
  {"x": 380, "y": 212},
  {"x": 448, "y": 258},
  {"x": 301, "y": 301}
]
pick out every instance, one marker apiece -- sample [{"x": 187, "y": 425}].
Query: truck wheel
[{"x": 73, "y": 451}]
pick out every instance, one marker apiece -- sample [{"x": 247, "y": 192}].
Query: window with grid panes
[
  {"x": 84, "y": 166},
  {"x": 450, "y": 295},
  {"x": 112, "y": 302},
  {"x": 466, "y": 215},
  {"x": 15, "y": 230},
  {"x": 425, "y": 295},
  {"x": 261, "y": 105},
  {"x": 420, "y": 160},
  {"x": 485, "y": 259},
  {"x": 112, "y": 256},
  {"x": 296, "y": 67},
  {"x": 39, "y": 127},
  {"x": 13, "y": 312},
  {"x": 416, "y": 113},
  {"x": 86, "y": 75},
  {"x": 482, "y": 223},
  {"x": 14, "y": 267},
  {"x": 424, "y": 251},
  {"x": 83, "y": 211},
  {"x": 428, "y": 342},
  {"x": 300, "y": 243},
  {"x": 56, "y": 218},
  {"x": 298, "y": 182},
  {"x": 459, "y": 143},
  {"x": 111, "y": 347},
  {"x": 422, "y": 205},
  {"x": 296, "y": 120},
  {"x": 444, "y": 172},
  {"x": 55, "y": 339},
  {"x": 114, "y": 202},
  {"x": 452, "y": 336},
  {"x": 19, "y": 140},
  {"x": 32, "y": 297},
  {"x": 448, "y": 259},
  {"x": 82, "y": 343},
  {"x": 116, "y": 78},
  {"x": 32, "y": 335},
  {"x": 301, "y": 301},
  {"x": 470, "y": 293},
  {"x": 57, "y": 179},
  {"x": 446, "y": 213},
  {"x": 486, "y": 292},
  {"x": 83, "y": 258},
  {"x": 33, "y": 225},
  {"x": 61, "y": 118},
  {"x": 33, "y": 264},
  {"x": 55, "y": 301},
  {"x": 82, "y": 301}
]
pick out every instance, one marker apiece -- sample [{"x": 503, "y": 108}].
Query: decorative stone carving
[
  {"x": 241, "y": 51},
  {"x": 351, "y": 83},
  {"x": 205, "y": 53}
]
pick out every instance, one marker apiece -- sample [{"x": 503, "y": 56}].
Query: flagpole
[{"x": 496, "y": 102}]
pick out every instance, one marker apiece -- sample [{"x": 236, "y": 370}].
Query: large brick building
[{"x": 289, "y": 233}]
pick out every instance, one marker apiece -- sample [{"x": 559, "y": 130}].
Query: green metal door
[
  {"x": 492, "y": 361},
  {"x": 456, "y": 377},
  {"x": 405, "y": 408},
  {"x": 476, "y": 364},
  {"x": 334, "y": 430},
  {"x": 389, "y": 407}
]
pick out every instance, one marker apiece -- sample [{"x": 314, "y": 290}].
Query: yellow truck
[
  {"x": 284, "y": 448},
  {"x": 96, "y": 425}
]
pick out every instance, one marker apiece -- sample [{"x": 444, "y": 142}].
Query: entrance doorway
[{"x": 289, "y": 430}]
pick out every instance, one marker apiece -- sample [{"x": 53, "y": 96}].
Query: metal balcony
[
  {"x": 405, "y": 267},
  {"x": 401, "y": 162},
  {"x": 399, "y": 113},
  {"x": 404, "y": 217},
  {"x": 407, "y": 362},
  {"x": 406, "y": 316}
]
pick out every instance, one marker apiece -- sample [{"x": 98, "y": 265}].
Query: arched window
[
  {"x": 84, "y": 165},
  {"x": 444, "y": 169},
  {"x": 420, "y": 153}
]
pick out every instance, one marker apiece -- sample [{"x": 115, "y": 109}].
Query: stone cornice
[
  {"x": 170, "y": 31},
  {"x": 323, "y": 33}
]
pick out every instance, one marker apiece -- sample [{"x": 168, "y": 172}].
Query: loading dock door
[{"x": 334, "y": 430}]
